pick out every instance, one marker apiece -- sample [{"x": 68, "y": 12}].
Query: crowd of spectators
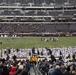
[
  {"x": 20, "y": 12},
  {"x": 37, "y": 28},
  {"x": 14, "y": 67},
  {"x": 11, "y": 65},
  {"x": 35, "y": 2},
  {"x": 53, "y": 61},
  {"x": 21, "y": 28}
]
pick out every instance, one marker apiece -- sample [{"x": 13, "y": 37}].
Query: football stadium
[{"x": 37, "y": 37}]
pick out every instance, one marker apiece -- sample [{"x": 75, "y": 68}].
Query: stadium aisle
[{"x": 32, "y": 71}]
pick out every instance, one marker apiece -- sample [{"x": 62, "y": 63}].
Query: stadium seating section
[
  {"x": 57, "y": 15},
  {"x": 27, "y": 28},
  {"x": 35, "y": 2}
]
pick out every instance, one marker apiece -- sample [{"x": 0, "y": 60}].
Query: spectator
[
  {"x": 7, "y": 58},
  {"x": 13, "y": 70},
  {"x": 53, "y": 58},
  {"x": 14, "y": 57},
  {"x": 24, "y": 72},
  {"x": 5, "y": 70},
  {"x": 57, "y": 71},
  {"x": 20, "y": 68},
  {"x": 1, "y": 68},
  {"x": 33, "y": 50}
]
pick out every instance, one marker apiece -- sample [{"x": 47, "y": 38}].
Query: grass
[{"x": 29, "y": 42}]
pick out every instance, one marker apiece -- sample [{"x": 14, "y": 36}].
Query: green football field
[{"x": 29, "y": 42}]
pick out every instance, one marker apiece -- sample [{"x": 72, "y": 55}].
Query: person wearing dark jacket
[
  {"x": 57, "y": 71},
  {"x": 14, "y": 57},
  {"x": 53, "y": 58},
  {"x": 67, "y": 72},
  {"x": 1, "y": 68},
  {"x": 24, "y": 72},
  {"x": 33, "y": 50},
  {"x": 5, "y": 70}
]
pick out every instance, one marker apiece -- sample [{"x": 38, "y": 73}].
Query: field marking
[
  {"x": 72, "y": 41},
  {"x": 65, "y": 41},
  {"x": 26, "y": 42},
  {"x": 36, "y": 43}
]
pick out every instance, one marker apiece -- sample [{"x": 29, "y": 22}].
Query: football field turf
[{"x": 29, "y": 42}]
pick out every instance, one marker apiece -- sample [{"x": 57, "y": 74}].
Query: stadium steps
[{"x": 32, "y": 71}]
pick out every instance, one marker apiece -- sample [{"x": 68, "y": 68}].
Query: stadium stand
[
  {"x": 37, "y": 16},
  {"x": 38, "y": 28},
  {"x": 41, "y": 61}
]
